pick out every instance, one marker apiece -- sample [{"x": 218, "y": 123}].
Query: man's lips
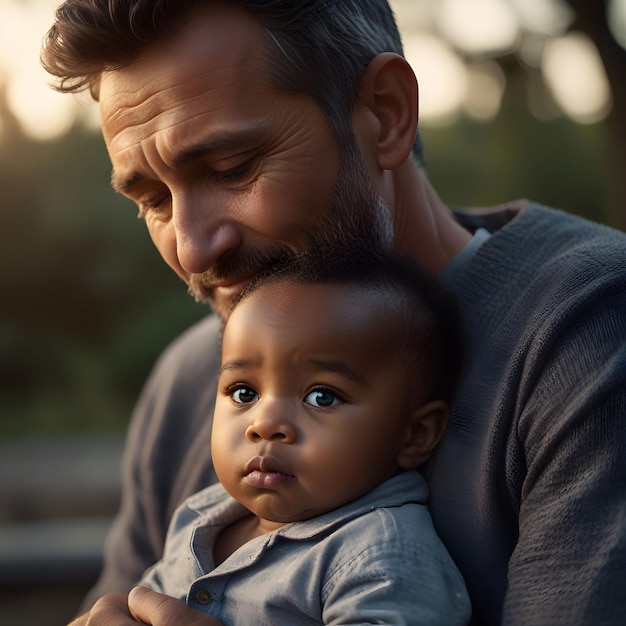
[
  {"x": 232, "y": 289},
  {"x": 228, "y": 279},
  {"x": 223, "y": 294},
  {"x": 211, "y": 285},
  {"x": 266, "y": 472}
]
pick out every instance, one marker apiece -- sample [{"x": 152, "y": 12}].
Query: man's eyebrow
[
  {"x": 340, "y": 367},
  {"x": 122, "y": 184},
  {"x": 227, "y": 140}
]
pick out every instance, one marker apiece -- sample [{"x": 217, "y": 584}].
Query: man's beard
[{"x": 357, "y": 219}]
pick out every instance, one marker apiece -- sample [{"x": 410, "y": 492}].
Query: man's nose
[
  {"x": 204, "y": 233},
  {"x": 272, "y": 422}
]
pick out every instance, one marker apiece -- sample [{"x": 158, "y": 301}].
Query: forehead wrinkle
[
  {"x": 145, "y": 104},
  {"x": 195, "y": 54},
  {"x": 135, "y": 99},
  {"x": 138, "y": 131}
]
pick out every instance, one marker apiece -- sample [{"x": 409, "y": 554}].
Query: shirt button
[{"x": 203, "y": 596}]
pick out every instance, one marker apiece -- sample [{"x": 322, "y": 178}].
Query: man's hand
[
  {"x": 156, "y": 609},
  {"x": 143, "y": 606},
  {"x": 111, "y": 609}
]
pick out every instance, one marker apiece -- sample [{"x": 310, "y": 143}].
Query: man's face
[
  {"x": 312, "y": 401},
  {"x": 230, "y": 174}
]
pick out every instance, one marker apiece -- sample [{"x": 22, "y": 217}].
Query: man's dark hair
[
  {"x": 318, "y": 47},
  {"x": 430, "y": 328}
]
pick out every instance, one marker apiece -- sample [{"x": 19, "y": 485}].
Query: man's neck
[{"x": 424, "y": 226}]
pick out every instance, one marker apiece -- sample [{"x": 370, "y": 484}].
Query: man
[{"x": 253, "y": 130}]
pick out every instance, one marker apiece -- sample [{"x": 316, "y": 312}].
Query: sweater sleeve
[
  {"x": 569, "y": 563},
  {"x": 166, "y": 457},
  {"x": 528, "y": 486}
]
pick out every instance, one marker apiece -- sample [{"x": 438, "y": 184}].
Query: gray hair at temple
[{"x": 318, "y": 47}]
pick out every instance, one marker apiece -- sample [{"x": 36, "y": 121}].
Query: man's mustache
[{"x": 237, "y": 265}]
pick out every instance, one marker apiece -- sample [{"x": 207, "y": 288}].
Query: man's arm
[
  {"x": 167, "y": 456},
  {"x": 569, "y": 564},
  {"x": 529, "y": 484}
]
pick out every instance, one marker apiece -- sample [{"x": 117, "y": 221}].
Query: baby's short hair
[{"x": 431, "y": 336}]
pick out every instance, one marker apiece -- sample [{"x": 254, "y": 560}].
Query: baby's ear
[{"x": 424, "y": 430}]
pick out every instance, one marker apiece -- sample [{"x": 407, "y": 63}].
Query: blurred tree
[
  {"x": 519, "y": 40},
  {"x": 592, "y": 19},
  {"x": 87, "y": 303}
]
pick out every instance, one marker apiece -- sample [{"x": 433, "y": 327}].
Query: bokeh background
[{"x": 518, "y": 98}]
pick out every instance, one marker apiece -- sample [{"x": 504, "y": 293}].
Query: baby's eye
[
  {"x": 244, "y": 395},
  {"x": 322, "y": 398}
]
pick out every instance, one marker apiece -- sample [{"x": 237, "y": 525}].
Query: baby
[{"x": 335, "y": 381}]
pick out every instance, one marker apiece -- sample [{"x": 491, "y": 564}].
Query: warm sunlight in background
[{"x": 448, "y": 42}]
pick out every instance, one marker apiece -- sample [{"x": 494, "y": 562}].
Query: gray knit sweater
[{"x": 528, "y": 488}]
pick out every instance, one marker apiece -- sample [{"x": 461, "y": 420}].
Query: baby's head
[
  {"x": 336, "y": 375},
  {"x": 398, "y": 296}
]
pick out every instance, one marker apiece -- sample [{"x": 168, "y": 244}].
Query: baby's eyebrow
[
  {"x": 340, "y": 367},
  {"x": 237, "y": 364}
]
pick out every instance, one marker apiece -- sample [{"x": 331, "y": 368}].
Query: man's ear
[
  {"x": 425, "y": 427},
  {"x": 389, "y": 90}
]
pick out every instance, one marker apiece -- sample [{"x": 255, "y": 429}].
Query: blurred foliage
[
  {"x": 558, "y": 163},
  {"x": 87, "y": 303}
]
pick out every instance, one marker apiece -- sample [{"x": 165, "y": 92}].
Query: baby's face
[{"x": 312, "y": 399}]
